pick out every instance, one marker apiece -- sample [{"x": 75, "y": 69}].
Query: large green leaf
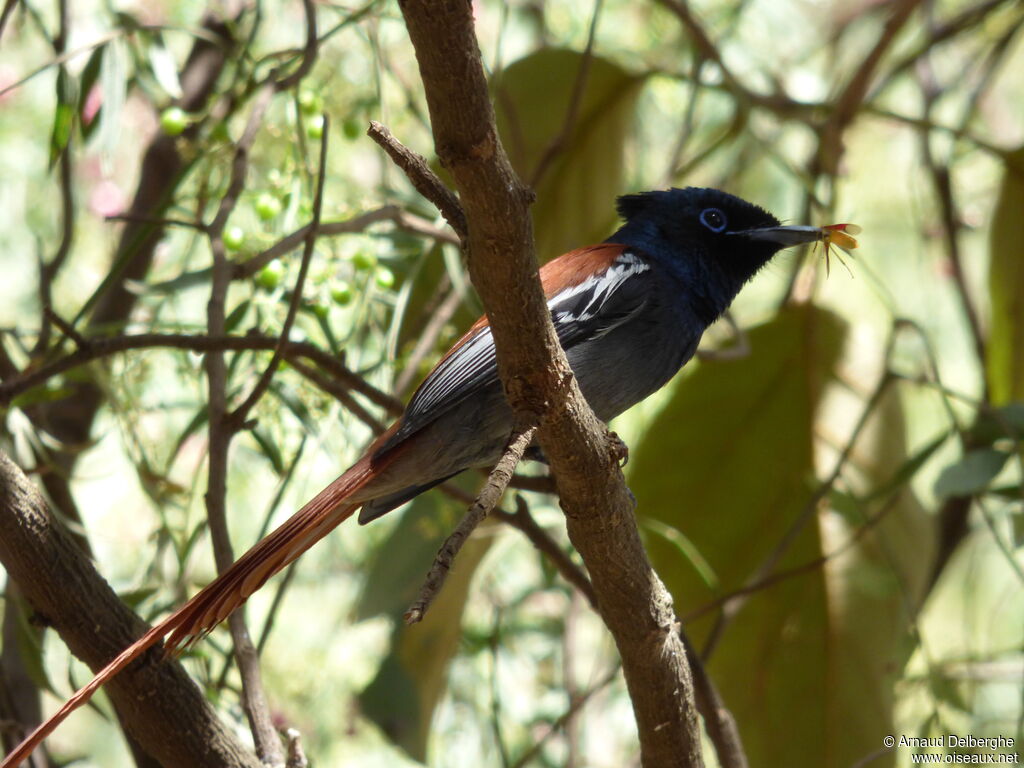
[
  {"x": 808, "y": 664},
  {"x": 412, "y": 678},
  {"x": 874, "y": 587},
  {"x": 533, "y": 99},
  {"x": 1006, "y": 287},
  {"x": 730, "y": 468},
  {"x": 972, "y": 474}
]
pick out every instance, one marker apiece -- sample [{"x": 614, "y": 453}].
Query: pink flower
[{"x": 106, "y": 199}]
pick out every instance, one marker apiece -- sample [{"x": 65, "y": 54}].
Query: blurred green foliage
[{"x": 837, "y": 510}]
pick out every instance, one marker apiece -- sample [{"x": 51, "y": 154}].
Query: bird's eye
[{"x": 713, "y": 219}]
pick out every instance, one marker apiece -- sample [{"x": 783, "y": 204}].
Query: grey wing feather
[{"x": 586, "y": 311}]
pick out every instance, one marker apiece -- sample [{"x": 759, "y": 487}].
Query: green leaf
[
  {"x": 201, "y": 417},
  {"x": 232, "y": 321},
  {"x": 133, "y": 598},
  {"x": 999, "y": 424},
  {"x": 908, "y": 468},
  {"x": 165, "y": 69},
  {"x": 88, "y": 79},
  {"x": 872, "y": 586},
  {"x": 28, "y": 638},
  {"x": 296, "y": 406},
  {"x": 412, "y": 678},
  {"x": 268, "y": 447},
  {"x": 114, "y": 84},
  {"x": 48, "y": 392},
  {"x": 733, "y": 470},
  {"x": 972, "y": 474},
  {"x": 575, "y": 194},
  {"x": 1005, "y": 349},
  {"x": 63, "y": 115}
]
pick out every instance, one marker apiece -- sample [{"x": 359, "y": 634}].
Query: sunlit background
[{"x": 833, "y": 494}]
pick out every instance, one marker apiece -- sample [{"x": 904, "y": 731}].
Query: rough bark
[
  {"x": 159, "y": 704},
  {"x": 584, "y": 459}
]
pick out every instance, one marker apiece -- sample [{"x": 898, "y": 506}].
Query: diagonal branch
[
  {"x": 488, "y": 499},
  {"x": 221, "y": 430},
  {"x": 178, "y": 726},
  {"x": 541, "y": 389},
  {"x": 423, "y": 179},
  {"x": 96, "y": 349}
]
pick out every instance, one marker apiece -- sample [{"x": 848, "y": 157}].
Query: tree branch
[
  {"x": 540, "y": 387},
  {"x": 488, "y": 498},
  {"x": 96, "y": 349},
  {"x": 177, "y": 726},
  {"x": 221, "y": 430},
  {"x": 423, "y": 179}
]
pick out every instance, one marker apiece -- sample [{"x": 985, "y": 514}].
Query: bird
[{"x": 629, "y": 313}]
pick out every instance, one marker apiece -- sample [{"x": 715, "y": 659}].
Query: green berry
[
  {"x": 352, "y": 128},
  {"x": 310, "y": 102},
  {"x": 363, "y": 261},
  {"x": 315, "y": 127},
  {"x": 320, "y": 310},
  {"x": 270, "y": 276},
  {"x": 341, "y": 293},
  {"x": 173, "y": 121},
  {"x": 234, "y": 238},
  {"x": 385, "y": 278},
  {"x": 267, "y": 206}
]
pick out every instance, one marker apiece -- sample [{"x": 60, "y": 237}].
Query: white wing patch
[
  {"x": 594, "y": 291},
  {"x": 472, "y": 367}
]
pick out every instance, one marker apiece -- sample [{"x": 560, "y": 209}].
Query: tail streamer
[{"x": 215, "y": 602}]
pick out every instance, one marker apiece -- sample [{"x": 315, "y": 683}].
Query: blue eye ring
[{"x": 713, "y": 219}]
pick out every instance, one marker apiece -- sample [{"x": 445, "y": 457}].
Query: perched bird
[{"x": 629, "y": 313}]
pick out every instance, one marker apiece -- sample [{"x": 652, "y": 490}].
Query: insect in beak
[{"x": 840, "y": 236}]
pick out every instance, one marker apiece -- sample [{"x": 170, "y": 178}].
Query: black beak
[{"x": 784, "y": 236}]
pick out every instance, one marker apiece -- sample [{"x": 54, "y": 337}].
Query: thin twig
[
  {"x": 719, "y": 722},
  {"x": 777, "y": 577},
  {"x": 558, "y": 143},
  {"x": 159, "y": 221},
  {"x": 6, "y": 14},
  {"x": 65, "y": 327},
  {"x": 485, "y": 502},
  {"x": 703, "y": 44},
  {"x": 737, "y": 351},
  {"x": 439, "y": 318},
  {"x": 537, "y": 484},
  {"x": 951, "y": 222},
  {"x": 524, "y": 522},
  {"x": 850, "y": 99},
  {"x": 401, "y": 219},
  {"x": 48, "y": 270},
  {"x": 296, "y": 757},
  {"x": 732, "y": 606},
  {"x": 422, "y": 178},
  {"x": 967, "y": 20},
  {"x": 342, "y": 394},
  {"x": 308, "y": 53},
  {"x": 238, "y": 416},
  {"x": 221, "y": 431},
  {"x": 575, "y": 705},
  {"x": 99, "y": 348},
  {"x": 63, "y": 59}
]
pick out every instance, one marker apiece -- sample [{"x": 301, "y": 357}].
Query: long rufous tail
[{"x": 216, "y": 601}]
